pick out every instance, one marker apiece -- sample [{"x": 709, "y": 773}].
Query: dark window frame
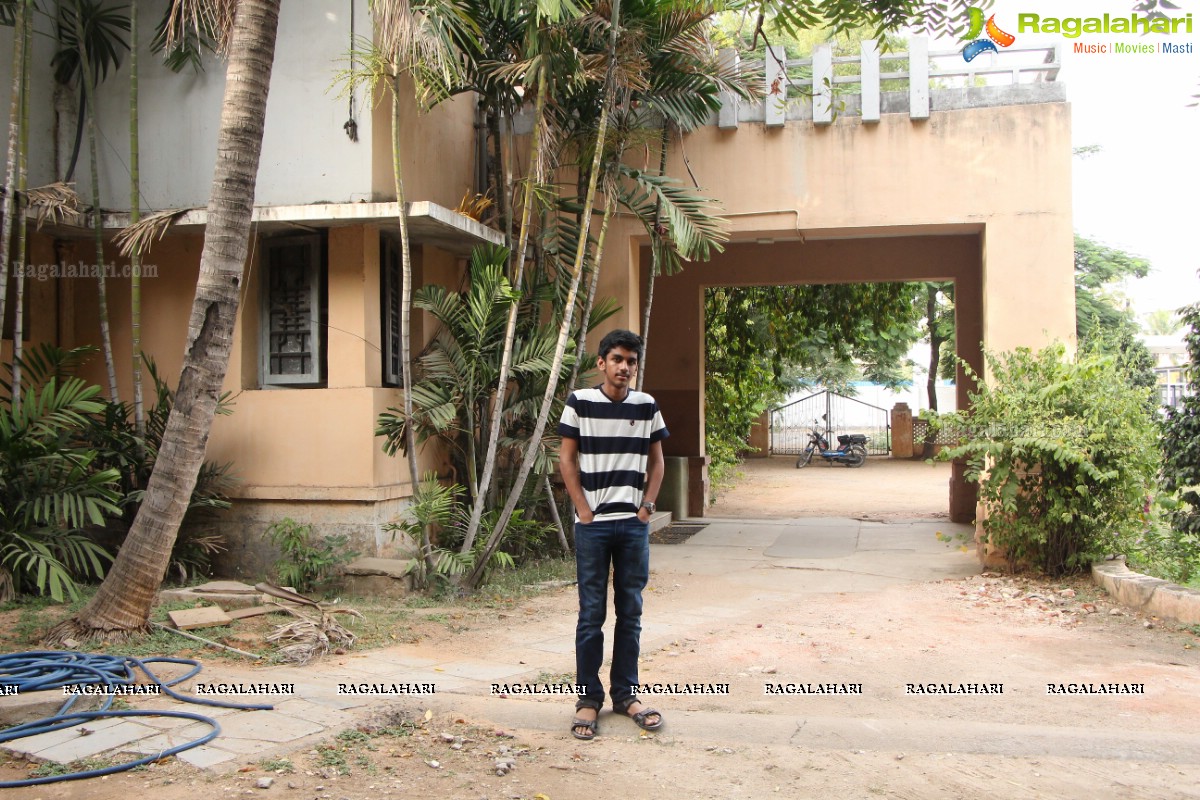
[{"x": 312, "y": 295}]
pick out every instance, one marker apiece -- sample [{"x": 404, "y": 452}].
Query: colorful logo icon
[{"x": 978, "y": 45}]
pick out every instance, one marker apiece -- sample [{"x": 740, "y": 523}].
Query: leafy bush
[
  {"x": 455, "y": 388},
  {"x": 1181, "y": 460},
  {"x": 306, "y": 562},
  {"x": 1063, "y": 453},
  {"x": 440, "y": 511},
  {"x": 73, "y": 470},
  {"x": 51, "y": 487}
]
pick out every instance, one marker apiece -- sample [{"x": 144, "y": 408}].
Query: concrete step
[{"x": 378, "y": 577}]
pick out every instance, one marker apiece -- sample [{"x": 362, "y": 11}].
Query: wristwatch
[{"x": 646, "y": 504}]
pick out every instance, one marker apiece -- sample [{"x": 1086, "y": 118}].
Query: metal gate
[{"x": 834, "y": 414}]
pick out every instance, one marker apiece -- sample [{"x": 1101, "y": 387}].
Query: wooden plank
[
  {"x": 206, "y": 617},
  {"x": 822, "y": 65},
  {"x": 253, "y": 611},
  {"x": 870, "y": 81},
  {"x": 777, "y": 88},
  {"x": 918, "y": 78}
]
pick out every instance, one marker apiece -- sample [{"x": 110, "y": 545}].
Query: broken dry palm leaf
[
  {"x": 307, "y": 637},
  {"x": 146, "y": 231},
  {"x": 52, "y": 202}
]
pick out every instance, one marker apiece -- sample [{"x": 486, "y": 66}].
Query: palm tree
[
  {"x": 1162, "y": 322},
  {"x": 123, "y": 601},
  {"x": 417, "y": 40},
  {"x": 19, "y": 213},
  {"x": 534, "y": 445},
  {"x": 23, "y": 11},
  {"x": 92, "y": 43},
  {"x": 135, "y": 214}
]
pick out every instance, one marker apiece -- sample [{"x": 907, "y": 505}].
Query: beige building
[{"x": 970, "y": 185}]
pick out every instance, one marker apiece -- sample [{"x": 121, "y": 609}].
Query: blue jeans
[{"x": 625, "y": 544}]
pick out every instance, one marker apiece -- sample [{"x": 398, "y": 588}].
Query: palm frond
[
  {"x": 53, "y": 202},
  {"x": 197, "y": 20},
  {"x": 692, "y": 226},
  {"x": 141, "y": 235}
]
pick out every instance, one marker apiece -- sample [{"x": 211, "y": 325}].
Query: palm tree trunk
[
  {"x": 655, "y": 257},
  {"x": 135, "y": 214},
  {"x": 410, "y": 436},
  {"x": 123, "y": 601},
  {"x": 10, "y": 175},
  {"x": 510, "y": 330},
  {"x": 558, "y": 525},
  {"x": 89, "y": 85},
  {"x": 22, "y": 165},
  {"x": 560, "y": 349},
  {"x": 586, "y": 316}
]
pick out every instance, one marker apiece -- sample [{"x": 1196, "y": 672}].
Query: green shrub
[
  {"x": 306, "y": 562},
  {"x": 1181, "y": 462},
  {"x": 51, "y": 484},
  {"x": 1063, "y": 451}
]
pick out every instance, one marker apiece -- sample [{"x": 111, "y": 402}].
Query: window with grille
[
  {"x": 293, "y": 297},
  {"x": 390, "y": 287}
]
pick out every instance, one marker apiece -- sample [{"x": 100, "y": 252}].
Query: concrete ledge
[{"x": 1152, "y": 595}]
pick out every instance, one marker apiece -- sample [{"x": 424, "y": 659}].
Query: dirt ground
[
  {"x": 885, "y": 742},
  {"x": 883, "y": 488}
]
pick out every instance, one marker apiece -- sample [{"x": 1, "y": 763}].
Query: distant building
[{"x": 1170, "y": 366}]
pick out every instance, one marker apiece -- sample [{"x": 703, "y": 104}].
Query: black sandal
[
  {"x": 589, "y": 725},
  {"x": 640, "y": 717}
]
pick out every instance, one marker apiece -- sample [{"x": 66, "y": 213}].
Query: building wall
[
  {"x": 859, "y": 202},
  {"x": 307, "y": 156}
]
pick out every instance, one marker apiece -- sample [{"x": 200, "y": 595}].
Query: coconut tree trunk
[
  {"x": 88, "y": 83},
  {"x": 554, "y": 517},
  {"x": 472, "y": 579},
  {"x": 14, "y": 131},
  {"x": 135, "y": 214},
  {"x": 590, "y": 300},
  {"x": 510, "y": 330},
  {"x": 22, "y": 165},
  {"x": 406, "y": 290},
  {"x": 123, "y": 601},
  {"x": 655, "y": 257}
]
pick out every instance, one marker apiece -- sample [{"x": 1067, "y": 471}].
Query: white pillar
[
  {"x": 918, "y": 78},
  {"x": 777, "y": 87},
  {"x": 869, "y": 77},
  {"x": 823, "y": 85},
  {"x": 727, "y": 118}
]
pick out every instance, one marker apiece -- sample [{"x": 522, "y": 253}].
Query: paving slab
[
  {"x": 97, "y": 742},
  {"x": 207, "y": 756},
  {"x": 44, "y": 741},
  {"x": 813, "y": 542},
  {"x": 267, "y": 726},
  {"x": 485, "y": 671},
  {"x": 558, "y": 644}
]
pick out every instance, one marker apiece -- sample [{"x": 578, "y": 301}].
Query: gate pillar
[
  {"x": 963, "y": 494},
  {"x": 902, "y": 431}
]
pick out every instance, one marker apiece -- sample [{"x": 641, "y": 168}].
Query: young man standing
[{"x": 612, "y": 463}]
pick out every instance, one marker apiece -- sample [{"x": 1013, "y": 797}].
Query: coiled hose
[{"x": 53, "y": 669}]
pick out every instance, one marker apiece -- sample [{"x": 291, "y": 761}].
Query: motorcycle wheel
[
  {"x": 856, "y": 457},
  {"x": 803, "y": 459}
]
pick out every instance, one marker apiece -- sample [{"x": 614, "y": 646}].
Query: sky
[{"x": 1140, "y": 191}]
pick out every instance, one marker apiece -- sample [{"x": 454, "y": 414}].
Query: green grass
[
  {"x": 385, "y": 621},
  {"x": 50, "y": 769},
  {"x": 277, "y": 765}
]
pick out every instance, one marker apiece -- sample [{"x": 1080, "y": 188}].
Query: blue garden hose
[{"x": 52, "y": 669}]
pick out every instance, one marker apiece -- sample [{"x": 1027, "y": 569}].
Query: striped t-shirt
[{"x": 614, "y": 446}]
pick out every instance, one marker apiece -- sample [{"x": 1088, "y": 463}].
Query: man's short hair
[{"x": 621, "y": 338}]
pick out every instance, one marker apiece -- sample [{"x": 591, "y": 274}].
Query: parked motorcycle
[{"x": 851, "y": 449}]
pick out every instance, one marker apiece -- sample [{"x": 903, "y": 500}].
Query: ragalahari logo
[{"x": 994, "y": 37}]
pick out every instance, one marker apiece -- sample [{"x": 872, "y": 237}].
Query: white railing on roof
[{"x": 921, "y": 69}]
